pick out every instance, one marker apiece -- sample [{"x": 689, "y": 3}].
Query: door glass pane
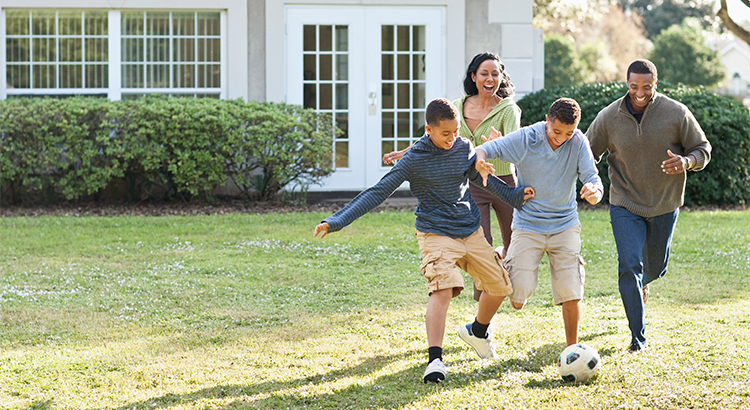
[
  {"x": 326, "y": 38},
  {"x": 342, "y": 67},
  {"x": 402, "y": 38},
  {"x": 309, "y": 36},
  {"x": 388, "y": 70},
  {"x": 342, "y": 96},
  {"x": 403, "y": 67},
  {"x": 387, "y": 38},
  {"x": 418, "y": 39},
  {"x": 342, "y": 38},
  {"x": 326, "y": 67},
  {"x": 310, "y": 71},
  {"x": 326, "y": 97}
]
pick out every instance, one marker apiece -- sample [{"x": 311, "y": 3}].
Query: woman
[{"x": 487, "y": 104}]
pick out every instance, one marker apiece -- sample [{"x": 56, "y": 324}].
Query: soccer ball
[{"x": 578, "y": 363}]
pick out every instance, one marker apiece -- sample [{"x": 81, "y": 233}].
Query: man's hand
[
  {"x": 591, "y": 193},
  {"x": 322, "y": 227},
  {"x": 485, "y": 169},
  {"x": 676, "y": 164},
  {"x": 495, "y": 134},
  {"x": 392, "y": 157},
  {"x": 528, "y": 193}
]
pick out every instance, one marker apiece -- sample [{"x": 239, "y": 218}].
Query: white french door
[{"x": 373, "y": 69}]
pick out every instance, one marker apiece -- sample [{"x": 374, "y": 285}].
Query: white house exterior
[
  {"x": 735, "y": 55},
  {"x": 372, "y": 64}
]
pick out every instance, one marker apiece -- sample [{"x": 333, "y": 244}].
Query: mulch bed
[
  {"x": 219, "y": 208},
  {"x": 176, "y": 208}
]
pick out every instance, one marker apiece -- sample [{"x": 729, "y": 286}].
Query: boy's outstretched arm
[
  {"x": 322, "y": 227},
  {"x": 483, "y": 167}
]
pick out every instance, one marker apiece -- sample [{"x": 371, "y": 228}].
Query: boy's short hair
[
  {"x": 565, "y": 110},
  {"x": 642, "y": 66},
  {"x": 440, "y": 109}
]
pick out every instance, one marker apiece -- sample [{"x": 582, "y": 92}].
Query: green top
[{"x": 505, "y": 117}]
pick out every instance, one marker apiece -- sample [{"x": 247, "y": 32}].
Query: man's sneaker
[
  {"x": 636, "y": 348},
  {"x": 483, "y": 347},
  {"x": 435, "y": 371},
  {"x": 644, "y": 292}
]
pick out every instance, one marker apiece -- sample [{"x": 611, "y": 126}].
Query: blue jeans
[{"x": 642, "y": 253}]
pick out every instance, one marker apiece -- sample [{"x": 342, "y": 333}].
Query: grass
[{"x": 248, "y": 311}]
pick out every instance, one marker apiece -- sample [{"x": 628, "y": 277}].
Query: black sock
[
  {"x": 435, "y": 352},
  {"x": 479, "y": 329}
]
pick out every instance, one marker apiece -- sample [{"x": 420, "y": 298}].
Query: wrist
[{"x": 690, "y": 162}]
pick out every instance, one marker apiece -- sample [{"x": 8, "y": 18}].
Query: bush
[
  {"x": 726, "y": 179},
  {"x": 173, "y": 147},
  {"x": 291, "y": 147},
  {"x": 55, "y": 146}
]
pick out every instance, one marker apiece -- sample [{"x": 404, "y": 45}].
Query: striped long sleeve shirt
[{"x": 439, "y": 179}]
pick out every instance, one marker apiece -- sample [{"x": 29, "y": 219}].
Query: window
[
  {"x": 65, "y": 52},
  {"x": 56, "y": 50},
  {"x": 177, "y": 53}
]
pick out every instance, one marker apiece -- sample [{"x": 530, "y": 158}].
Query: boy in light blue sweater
[
  {"x": 549, "y": 155},
  {"x": 439, "y": 169}
]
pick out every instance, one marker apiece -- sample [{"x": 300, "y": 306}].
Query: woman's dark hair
[{"x": 506, "y": 88}]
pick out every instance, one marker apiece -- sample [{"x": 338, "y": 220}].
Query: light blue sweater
[{"x": 552, "y": 173}]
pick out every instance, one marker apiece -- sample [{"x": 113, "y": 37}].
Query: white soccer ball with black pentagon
[{"x": 578, "y": 363}]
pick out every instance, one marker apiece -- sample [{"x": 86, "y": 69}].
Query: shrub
[
  {"x": 186, "y": 147},
  {"x": 726, "y": 179},
  {"x": 52, "y": 145},
  {"x": 278, "y": 145}
]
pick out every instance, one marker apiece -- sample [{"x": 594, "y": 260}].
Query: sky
[{"x": 738, "y": 11}]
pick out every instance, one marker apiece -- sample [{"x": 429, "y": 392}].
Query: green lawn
[{"x": 249, "y": 311}]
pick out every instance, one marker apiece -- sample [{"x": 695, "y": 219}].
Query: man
[
  {"x": 652, "y": 141},
  {"x": 550, "y": 156}
]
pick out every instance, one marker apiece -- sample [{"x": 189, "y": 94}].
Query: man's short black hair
[
  {"x": 642, "y": 66},
  {"x": 565, "y": 110},
  {"x": 440, "y": 109}
]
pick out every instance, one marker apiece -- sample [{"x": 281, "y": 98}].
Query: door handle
[{"x": 372, "y": 106}]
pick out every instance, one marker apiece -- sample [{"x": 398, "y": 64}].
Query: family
[{"x": 474, "y": 157}]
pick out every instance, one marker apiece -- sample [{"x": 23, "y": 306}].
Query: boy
[
  {"x": 549, "y": 155},
  {"x": 439, "y": 168}
]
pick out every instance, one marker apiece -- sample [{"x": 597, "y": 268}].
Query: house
[
  {"x": 735, "y": 55},
  {"x": 372, "y": 64}
]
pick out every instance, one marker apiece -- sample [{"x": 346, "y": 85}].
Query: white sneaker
[
  {"x": 483, "y": 346},
  {"x": 435, "y": 371}
]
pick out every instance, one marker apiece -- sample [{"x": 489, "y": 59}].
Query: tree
[
  {"x": 730, "y": 24},
  {"x": 658, "y": 15},
  {"x": 562, "y": 64},
  {"x": 606, "y": 38},
  {"x": 681, "y": 55}
]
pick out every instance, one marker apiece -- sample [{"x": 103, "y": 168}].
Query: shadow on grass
[{"x": 393, "y": 390}]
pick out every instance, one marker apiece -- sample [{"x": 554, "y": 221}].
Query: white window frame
[{"x": 234, "y": 41}]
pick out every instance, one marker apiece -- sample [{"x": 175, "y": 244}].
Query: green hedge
[
  {"x": 726, "y": 122},
  {"x": 158, "y": 147}
]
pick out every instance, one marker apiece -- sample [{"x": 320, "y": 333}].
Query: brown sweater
[{"x": 636, "y": 152}]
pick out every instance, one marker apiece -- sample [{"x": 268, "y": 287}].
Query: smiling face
[
  {"x": 444, "y": 134},
  {"x": 641, "y": 89},
  {"x": 487, "y": 78},
  {"x": 558, "y": 132}
]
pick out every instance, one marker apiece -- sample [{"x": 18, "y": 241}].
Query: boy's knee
[{"x": 516, "y": 305}]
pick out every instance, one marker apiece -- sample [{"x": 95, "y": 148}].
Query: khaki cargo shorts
[
  {"x": 441, "y": 255},
  {"x": 566, "y": 264}
]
